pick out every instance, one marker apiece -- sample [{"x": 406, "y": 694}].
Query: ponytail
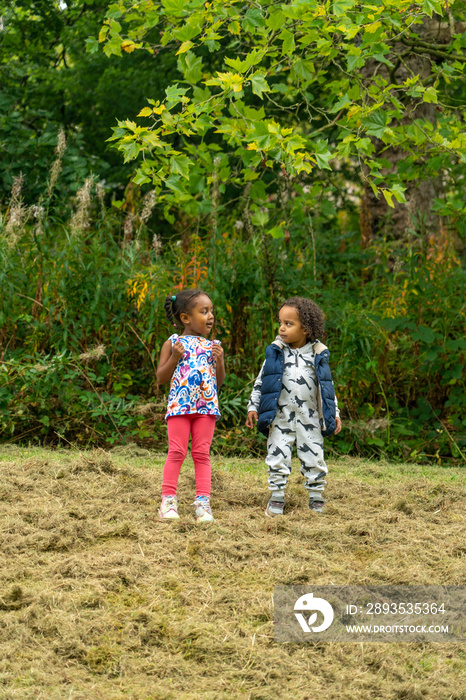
[{"x": 168, "y": 305}]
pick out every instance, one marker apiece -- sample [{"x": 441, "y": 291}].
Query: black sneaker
[
  {"x": 275, "y": 506},
  {"x": 316, "y": 505}
]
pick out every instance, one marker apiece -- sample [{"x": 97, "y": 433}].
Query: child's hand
[
  {"x": 217, "y": 352},
  {"x": 251, "y": 419},
  {"x": 338, "y": 428},
  {"x": 178, "y": 350}
]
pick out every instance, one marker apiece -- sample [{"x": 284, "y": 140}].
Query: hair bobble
[{"x": 174, "y": 298}]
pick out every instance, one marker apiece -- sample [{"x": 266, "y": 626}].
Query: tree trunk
[{"x": 415, "y": 218}]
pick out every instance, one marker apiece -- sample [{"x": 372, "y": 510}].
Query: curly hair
[
  {"x": 311, "y": 316},
  {"x": 181, "y": 303}
]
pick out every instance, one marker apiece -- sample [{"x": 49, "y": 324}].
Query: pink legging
[{"x": 201, "y": 427}]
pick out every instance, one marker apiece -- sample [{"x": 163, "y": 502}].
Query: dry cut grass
[{"x": 100, "y": 601}]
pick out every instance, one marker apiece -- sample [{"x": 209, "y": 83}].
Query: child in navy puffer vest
[{"x": 293, "y": 401}]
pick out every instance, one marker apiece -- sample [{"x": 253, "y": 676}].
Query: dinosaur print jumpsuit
[{"x": 296, "y": 421}]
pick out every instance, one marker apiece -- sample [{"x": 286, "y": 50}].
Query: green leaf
[
  {"x": 431, "y": 6},
  {"x": 354, "y": 58},
  {"x": 174, "y": 94},
  {"x": 398, "y": 192},
  {"x": 115, "y": 11},
  {"x": 188, "y": 31},
  {"x": 173, "y": 183},
  {"x": 276, "y": 232},
  {"x": 184, "y": 48},
  {"x": 288, "y": 45},
  {"x": 236, "y": 63},
  {"x": 425, "y": 334},
  {"x": 250, "y": 175},
  {"x": 130, "y": 150},
  {"x": 234, "y": 27},
  {"x": 140, "y": 178},
  {"x": 92, "y": 45},
  {"x": 304, "y": 69},
  {"x": 341, "y": 7},
  {"x": 376, "y": 123},
  {"x": 382, "y": 59},
  {"x": 365, "y": 145},
  {"x": 323, "y": 155},
  {"x": 430, "y": 95},
  {"x": 254, "y": 57},
  {"x": 179, "y": 165},
  {"x": 275, "y": 20},
  {"x": 174, "y": 7},
  {"x": 433, "y": 353},
  {"x": 258, "y": 192},
  {"x": 375, "y": 441},
  {"x": 344, "y": 101},
  {"x": 389, "y": 198},
  {"x": 309, "y": 37},
  {"x": 259, "y": 218},
  {"x": 259, "y": 84},
  {"x": 191, "y": 66},
  {"x": 113, "y": 46},
  {"x": 253, "y": 19}
]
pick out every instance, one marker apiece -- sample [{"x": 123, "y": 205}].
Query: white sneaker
[
  {"x": 203, "y": 511},
  {"x": 275, "y": 506},
  {"x": 169, "y": 508}
]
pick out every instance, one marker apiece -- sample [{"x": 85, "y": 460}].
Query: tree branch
[{"x": 432, "y": 49}]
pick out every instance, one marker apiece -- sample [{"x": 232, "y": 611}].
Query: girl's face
[
  {"x": 291, "y": 330},
  {"x": 200, "y": 319}
]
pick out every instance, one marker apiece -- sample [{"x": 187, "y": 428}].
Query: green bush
[{"x": 82, "y": 325}]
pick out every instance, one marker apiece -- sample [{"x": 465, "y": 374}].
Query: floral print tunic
[{"x": 193, "y": 386}]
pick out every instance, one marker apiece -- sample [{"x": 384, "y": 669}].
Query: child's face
[
  {"x": 291, "y": 330},
  {"x": 200, "y": 319}
]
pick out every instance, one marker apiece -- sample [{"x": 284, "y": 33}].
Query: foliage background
[{"x": 86, "y": 258}]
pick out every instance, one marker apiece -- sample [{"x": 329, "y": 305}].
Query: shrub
[{"x": 82, "y": 325}]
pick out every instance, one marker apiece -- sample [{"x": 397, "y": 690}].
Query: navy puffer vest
[
  {"x": 327, "y": 393},
  {"x": 272, "y": 375}
]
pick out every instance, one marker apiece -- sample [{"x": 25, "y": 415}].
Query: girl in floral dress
[{"x": 195, "y": 368}]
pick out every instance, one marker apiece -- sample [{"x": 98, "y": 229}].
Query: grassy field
[{"x": 99, "y": 600}]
